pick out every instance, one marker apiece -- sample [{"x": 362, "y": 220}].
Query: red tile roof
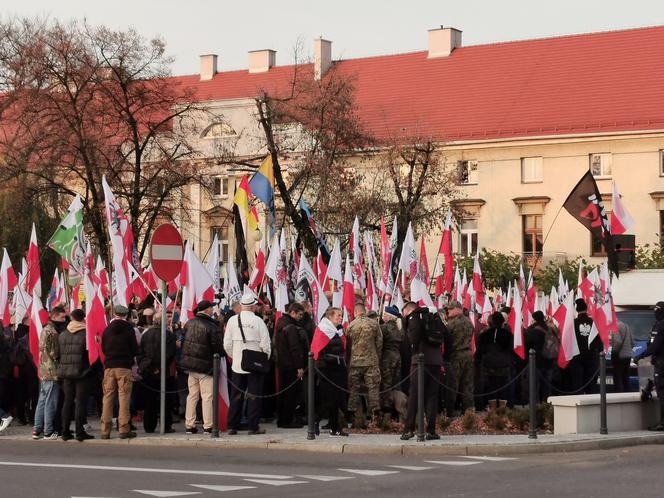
[{"x": 598, "y": 82}]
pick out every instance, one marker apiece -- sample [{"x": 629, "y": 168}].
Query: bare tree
[{"x": 95, "y": 102}]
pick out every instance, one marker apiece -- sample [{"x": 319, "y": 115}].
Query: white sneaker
[
  {"x": 52, "y": 437},
  {"x": 87, "y": 427},
  {"x": 5, "y": 422}
]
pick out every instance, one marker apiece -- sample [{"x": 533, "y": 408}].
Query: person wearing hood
[
  {"x": 49, "y": 389},
  {"x": 329, "y": 348},
  {"x": 656, "y": 350},
  {"x": 119, "y": 345},
  {"x": 74, "y": 370}
]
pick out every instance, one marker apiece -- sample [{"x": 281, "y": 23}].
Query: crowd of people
[{"x": 365, "y": 372}]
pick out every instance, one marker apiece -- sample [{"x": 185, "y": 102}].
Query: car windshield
[{"x": 640, "y": 322}]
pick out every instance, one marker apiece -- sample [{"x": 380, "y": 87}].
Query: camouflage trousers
[
  {"x": 363, "y": 381},
  {"x": 461, "y": 381},
  {"x": 390, "y": 375}
]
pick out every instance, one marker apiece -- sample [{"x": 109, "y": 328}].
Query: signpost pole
[{"x": 162, "y": 367}]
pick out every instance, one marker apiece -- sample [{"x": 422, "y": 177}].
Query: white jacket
[{"x": 255, "y": 331}]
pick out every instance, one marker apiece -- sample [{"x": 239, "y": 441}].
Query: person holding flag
[
  {"x": 583, "y": 368},
  {"x": 329, "y": 349}
]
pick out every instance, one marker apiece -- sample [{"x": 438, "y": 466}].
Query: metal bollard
[
  {"x": 532, "y": 398},
  {"x": 311, "y": 409},
  {"x": 603, "y": 429},
  {"x": 420, "y": 397},
  {"x": 215, "y": 398}
]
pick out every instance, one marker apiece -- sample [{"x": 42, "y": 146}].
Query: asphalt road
[{"x": 57, "y": 469}]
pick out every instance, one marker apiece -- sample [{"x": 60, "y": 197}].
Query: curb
[{"x": 415, "y": 449}]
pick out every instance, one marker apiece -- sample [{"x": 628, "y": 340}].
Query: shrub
[
  {"x": 519, "y": 417},
  {"x": 469, "y": 420},
  {"x": 495, "y": 420},
  {"x": 444, "y": 423}
]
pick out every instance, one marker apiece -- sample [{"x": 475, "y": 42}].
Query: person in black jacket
[
  {"x": 583, "y": 369},
  {"x": 149, "y": 366},
  {"x": 415, "y": 320},
  {"x": 291, "y": 351},
  {"x": 533, "y": 338},
  {"x": 656, "y": 350},
  {"x": 5, "y": 372},
  {"x": 494, "y": 353},
  {"x": 118, "y": 343},
  {"x": 202, "y": 339},
  {"x": 331, "y": 362},
  {"x": 74, "y": 370}
]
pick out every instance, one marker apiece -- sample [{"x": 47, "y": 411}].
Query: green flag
[{"x": 69, "y": 240}]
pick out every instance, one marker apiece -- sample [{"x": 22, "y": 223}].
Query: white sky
[{"x": 356, "y": 27}]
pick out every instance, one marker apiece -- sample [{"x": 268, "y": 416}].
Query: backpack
[
  {"x": 434, "y": 329},
  {"x": 551, "y": 345}
]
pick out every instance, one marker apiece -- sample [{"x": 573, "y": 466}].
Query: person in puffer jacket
[{"x": 74, "y": 370}]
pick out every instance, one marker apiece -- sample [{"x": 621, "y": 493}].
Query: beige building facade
[{"x": 515, "y": 172}]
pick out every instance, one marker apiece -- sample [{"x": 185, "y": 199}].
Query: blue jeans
[{"x": 47, "y": 406}]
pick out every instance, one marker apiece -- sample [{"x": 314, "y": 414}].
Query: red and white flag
[
  {"x": 334, "y": 275},
  {"x": 348, "y": 298},
  {"x": 122, "y": 245},
  {"x": 424, "y": 265},
  {"x": 33, "y": 275},
  {"x": 8, "y": 283},
  {"x": 324, "y": 333},
  {"x": 196, "y": 283},
  {"x": 564, "y": 315},
  {"x": 38, "y": 318},
  {"x": 95, "y": 320},
  {"x": 446, "y": 250},
  {"x": 259, "y": 269},
  {"x": 224, "y": 399},
  {"x": 621, "y": 220},
  {"x": 478, "y": 286},
  {"x": 408, "y": 257},
  {"x": 515, "y": 321},
  {"x": 212, "y": 264}
]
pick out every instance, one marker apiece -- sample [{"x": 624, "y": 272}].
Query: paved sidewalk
[{"x": 383, "y": 444}]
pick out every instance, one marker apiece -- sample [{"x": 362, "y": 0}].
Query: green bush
[{"x": 649, "y": 257}]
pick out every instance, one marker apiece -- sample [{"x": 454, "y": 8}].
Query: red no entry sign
[{"x": 166, "y": 252}]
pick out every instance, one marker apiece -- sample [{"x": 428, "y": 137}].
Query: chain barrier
[
  {"x": 479, "y": 395},
  {"x": 593, "y": 379},
  {"x": 385, "y": 391},
  {"x": 222, "y": 376},
  {"x": 263, "y": 396}
]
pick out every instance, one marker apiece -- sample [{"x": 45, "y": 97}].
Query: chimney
[
  {"x": 322, "y": 57},
  {"x": 442, "y": 41},
  {"x": 208, "y": 66},
  {"x": 261, "y": 61}
]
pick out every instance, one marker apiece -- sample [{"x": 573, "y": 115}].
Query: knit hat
[{"x": 581, "y": 305}]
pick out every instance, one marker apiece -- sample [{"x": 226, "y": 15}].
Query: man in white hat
[{"x": 256, "y": 338}]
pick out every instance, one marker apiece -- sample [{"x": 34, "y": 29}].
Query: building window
[
  {"x": 468, "y": 237},
  {"x": 219, "y": 130},
  {"x": 661, "y": 229},
  {"x": 533, "y": 240},
  {"x": 531, "y": 169},
  {"x": 222, "y": 236},
  {"x": 219, "y": 186},
  {"x": 468, "y": 172},
  {"x": 600, "y": 165},
  {"x": 661, "y": 163}
]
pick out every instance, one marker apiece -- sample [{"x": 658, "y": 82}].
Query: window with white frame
[
  {"x": 219, "y": 186},
  {"x": 222, "y": 236},
  {"x": 468, "y": 172},
  {"x": 531, "y": 170},
  {"x": 468, "y": 237},
  {"x": 661, "y": 163},
  {"x": 600, "y": 165}
]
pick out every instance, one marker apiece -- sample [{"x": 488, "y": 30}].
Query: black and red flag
[{"x": 585, "y": 204}]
